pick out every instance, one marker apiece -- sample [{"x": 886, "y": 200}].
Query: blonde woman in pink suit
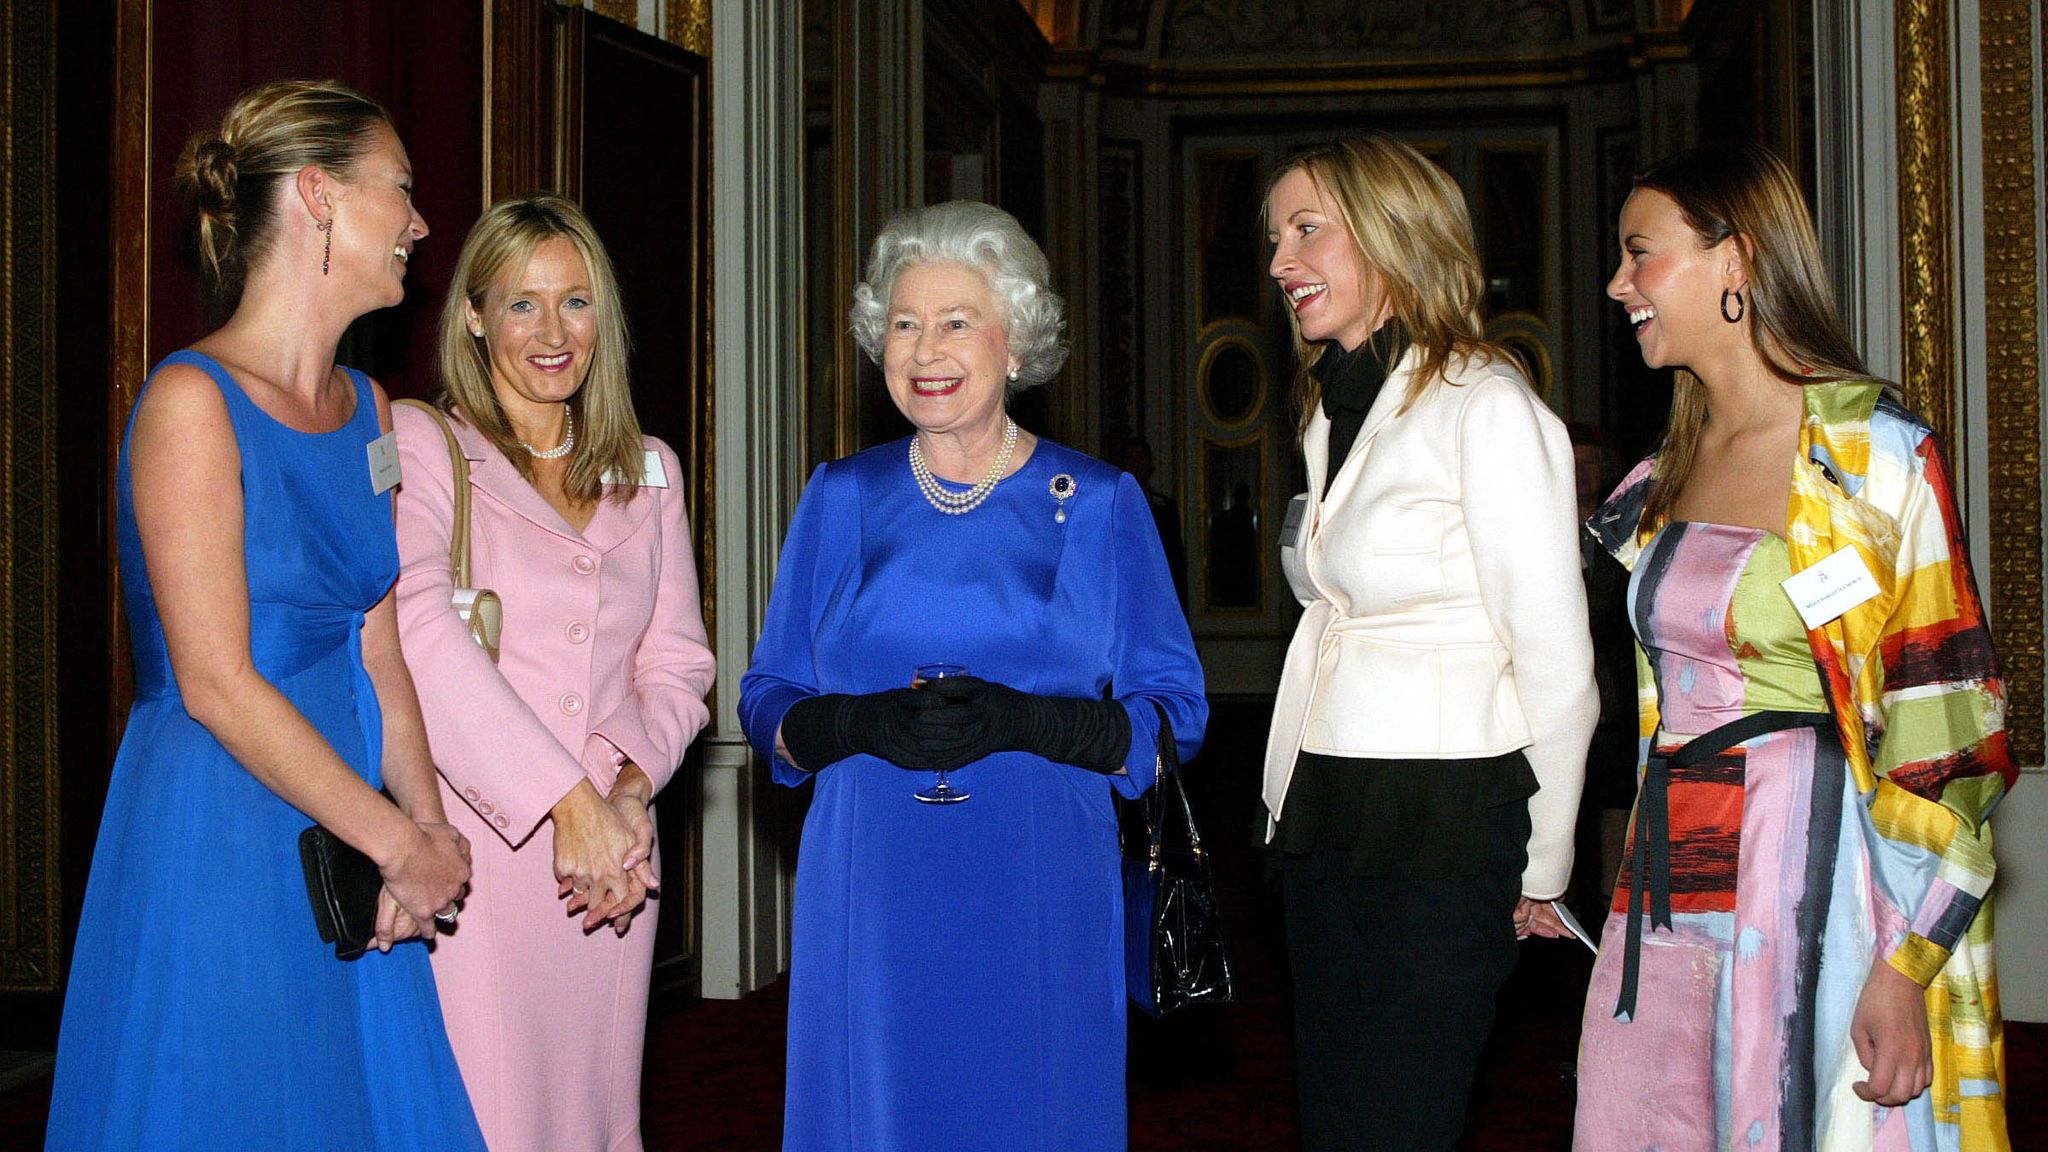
[{"x": 549, "y": 758}]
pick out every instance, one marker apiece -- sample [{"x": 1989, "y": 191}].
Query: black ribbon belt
[{"x": 1650, "y": 855}]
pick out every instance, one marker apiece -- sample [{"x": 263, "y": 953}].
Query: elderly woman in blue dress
[{"x": 957, "y": 975}]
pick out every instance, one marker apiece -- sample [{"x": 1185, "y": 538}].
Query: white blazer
[{"x": 1446, "y": 618}]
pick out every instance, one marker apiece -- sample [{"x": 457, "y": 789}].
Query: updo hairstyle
[{"x": 268, "y": 134}]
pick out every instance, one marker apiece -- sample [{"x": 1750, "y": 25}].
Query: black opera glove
[
  {"x": 1091, "y": 734},
  {"x": 908, "y": 728}
]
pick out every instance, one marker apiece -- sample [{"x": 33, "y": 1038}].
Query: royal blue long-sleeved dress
[{"x": 957, "y": 978}]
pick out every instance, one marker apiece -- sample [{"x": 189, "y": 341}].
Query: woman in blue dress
[
  {"x": 257, "y": 559},
  {"x": 957, "y": 975}
]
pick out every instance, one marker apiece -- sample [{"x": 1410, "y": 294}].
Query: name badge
[
  {"x": 1290, "y": 528},
  {"x": 653, "y": 473},
  {"x": 1293, "y": 534},
  {"x": 384, "y": 463},
  {"x": 1831, "y": 587}
]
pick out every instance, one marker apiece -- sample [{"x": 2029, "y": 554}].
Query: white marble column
[
  {"x": 1855, "y": 154},
  {"x": 757, "y": 273}
]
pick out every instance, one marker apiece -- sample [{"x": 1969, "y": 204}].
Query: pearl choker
[
  {"x": 568, "y": 443},
  {"x": 961, "y": 503}
]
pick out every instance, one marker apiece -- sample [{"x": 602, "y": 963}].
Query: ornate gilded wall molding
[
  {"x": 30, "y": 910},
  {"x": 129, "y": 358},
  {"x": 1926, "y": 216},
  {"x": 687, "y": 23},
  {"x": 624, "y": 11},
  {"x": 2012, "y": 322}
]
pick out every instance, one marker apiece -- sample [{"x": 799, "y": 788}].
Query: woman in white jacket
[{"x": 1428, "y": 743}]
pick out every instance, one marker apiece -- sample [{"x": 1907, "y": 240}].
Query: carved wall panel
[
  {"x": 687, "y": 24},
  {"x": 1927, "y": 275},
  {"x": 2012, "y": 320},
  {"x": 1121, "y": 289},
  {"x": 29, "y": 891}
]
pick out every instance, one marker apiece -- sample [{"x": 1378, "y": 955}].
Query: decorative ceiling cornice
[
  {"x": 1200, "y": 29},
  {"x": 1619, "y": 59}
]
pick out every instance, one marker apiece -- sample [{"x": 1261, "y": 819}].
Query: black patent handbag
[{"x": 1174, "y": 951}]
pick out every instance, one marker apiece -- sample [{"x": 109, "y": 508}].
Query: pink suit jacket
[{"x": 603, "y": 659}]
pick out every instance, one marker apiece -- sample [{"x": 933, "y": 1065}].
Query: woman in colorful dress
[
  {"x": 257, "y": 561},
  {"x": 1795, "y": 957}
]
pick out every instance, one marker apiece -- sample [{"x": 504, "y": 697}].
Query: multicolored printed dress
[
  {"x": 1800, "y": 858},
  {"x": 1732, "y": 1029}
]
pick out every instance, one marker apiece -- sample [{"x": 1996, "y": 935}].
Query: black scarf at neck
[{"x": 1351, "y": 382}]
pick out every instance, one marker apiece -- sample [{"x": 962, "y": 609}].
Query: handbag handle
[
  {"x": 458, "y": 538},
  {"x": 1168, "y": 770}
]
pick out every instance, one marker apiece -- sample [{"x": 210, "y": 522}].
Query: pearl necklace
[
  {"x": 961, "y": 503},
  {"x": 567, "y": 445}
]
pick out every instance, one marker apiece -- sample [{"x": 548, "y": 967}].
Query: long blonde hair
[
  {"x": 1408, "y": 222},
  {"x": 230, "y": 173},
  {"x": 607, "y": 431},
  {"x": 1744, "y": 191}
]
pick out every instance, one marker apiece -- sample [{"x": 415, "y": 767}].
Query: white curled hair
[{"x": 990, "y": 241}]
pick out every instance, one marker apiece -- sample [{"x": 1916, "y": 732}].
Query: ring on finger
[{"x": 445, "y": 918}]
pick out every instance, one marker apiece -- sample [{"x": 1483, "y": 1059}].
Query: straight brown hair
[
  {"x": 1744, "y": 191},
  {"x": 607, "y": 431}
]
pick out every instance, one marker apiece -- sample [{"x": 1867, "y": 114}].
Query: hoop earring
[{"x": 1740, "y": 307}]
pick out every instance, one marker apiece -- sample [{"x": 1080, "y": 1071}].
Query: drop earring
[{"x": 327, "y": 252}]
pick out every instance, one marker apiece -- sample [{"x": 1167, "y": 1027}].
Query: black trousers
[{"x": 1394, "y": 985}]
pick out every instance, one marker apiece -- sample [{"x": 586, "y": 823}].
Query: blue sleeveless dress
[{"x": 203, "y": 1010}]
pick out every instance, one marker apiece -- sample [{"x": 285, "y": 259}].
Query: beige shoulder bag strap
[{"x": 479, "y": 608}]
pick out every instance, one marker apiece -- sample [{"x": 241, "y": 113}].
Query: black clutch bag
[
  {"x": 1174, "y": 951},
  {"x": 343, "y": 885}
]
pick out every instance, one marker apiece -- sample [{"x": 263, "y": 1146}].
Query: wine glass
[{"x": 943, "y": 791}]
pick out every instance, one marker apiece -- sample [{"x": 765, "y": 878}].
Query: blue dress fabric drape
[
  {"x": 203, "y": 1011},
  {"x": 957, "y": 973}
]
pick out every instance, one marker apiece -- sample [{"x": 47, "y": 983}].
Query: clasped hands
[
  {"x": 424, "y": 876},
  {"x": 604, "y": 847},
  {"x": 943, "y": 724},
  {"x": 946, "y": 724}
]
